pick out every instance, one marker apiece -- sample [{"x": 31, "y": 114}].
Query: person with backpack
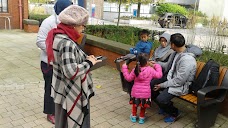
[
  {"x": 142, "y": 74},
  {"x": 179, "y": 78}
]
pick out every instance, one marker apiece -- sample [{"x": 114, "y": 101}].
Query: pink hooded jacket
[{"x": 141, "y": 87}]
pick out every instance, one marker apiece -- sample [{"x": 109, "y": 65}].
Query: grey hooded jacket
[
  {"x": 179, "y": 78},
  {"x": 162, "y": 53}
]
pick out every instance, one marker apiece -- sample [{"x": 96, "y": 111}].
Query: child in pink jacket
[{"x": 142, "y": 74}]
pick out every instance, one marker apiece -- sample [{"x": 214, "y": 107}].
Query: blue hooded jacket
[{"x": 60, "y": 5}]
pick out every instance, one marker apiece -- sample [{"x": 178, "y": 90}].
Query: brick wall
[
  {"x": 13, "y": 12},
  {"x": 31, "y": 28}
]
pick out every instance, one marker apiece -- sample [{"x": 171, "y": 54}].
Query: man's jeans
[{"x": 162, "y": 98}]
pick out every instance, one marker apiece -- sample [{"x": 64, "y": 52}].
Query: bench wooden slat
[
  {"x": 194, "y": 100},
  {"x": 222, "y": 73},
  {"x": 199, "y": 68},
  {"x": 190, "y": 98}
]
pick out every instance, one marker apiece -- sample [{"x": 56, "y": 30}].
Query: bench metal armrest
[{"x": 203, "y": 100}]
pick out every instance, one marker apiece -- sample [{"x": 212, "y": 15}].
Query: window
[{"x": 3, "y": 6}]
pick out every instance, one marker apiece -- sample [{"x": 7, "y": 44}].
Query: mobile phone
[{"x": 98, "y": 57}]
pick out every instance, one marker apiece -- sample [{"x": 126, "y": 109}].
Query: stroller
[{"x": 126, "y": 86}]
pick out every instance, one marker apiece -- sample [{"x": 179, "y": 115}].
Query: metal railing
[{"x": 7, "y": 18}]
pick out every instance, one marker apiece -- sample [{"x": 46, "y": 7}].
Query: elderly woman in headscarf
[
  {"x": 72, "y": 85},
  {"x": 163, "y": 52}
]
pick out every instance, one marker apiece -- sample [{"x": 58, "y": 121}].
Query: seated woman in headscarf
[{"x": 163, "y": 52}]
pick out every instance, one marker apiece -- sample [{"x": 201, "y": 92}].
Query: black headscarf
[{"x": 60, "y": 5}]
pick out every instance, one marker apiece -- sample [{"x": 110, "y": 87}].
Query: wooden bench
[{"x": 208, "y": 107}]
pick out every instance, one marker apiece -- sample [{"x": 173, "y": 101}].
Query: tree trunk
[
  {"x": 139, "y": 6},
  {"x": 119, "y": 14}
]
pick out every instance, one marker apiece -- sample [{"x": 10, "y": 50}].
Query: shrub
[
  {"x": 173, "y": 8},
  {"x": 154, "y": 17},
  {"x": 218, "y": 57},
  {"x": 123, "y": 34},
  {"x": 39, "y": 17},
  {"x": 129, "y": 35},
  {"x": 197, "y": 13},
  {"x": 38, "y": 9}
]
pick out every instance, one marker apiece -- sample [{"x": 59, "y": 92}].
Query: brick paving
[{"x": 21, "y": 92}]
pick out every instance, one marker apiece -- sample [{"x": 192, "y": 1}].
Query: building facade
[
  {"x": 14, "y": 11},
  {"x": 96, "y": 8}
]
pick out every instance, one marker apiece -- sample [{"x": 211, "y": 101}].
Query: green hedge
[
  {"x": 129, "y": 35},
  {"x": 218, "y": 57},
  {"x": 38, "y": 17},
  {"x": 168, "y": 7},
  {"x": 30, "y": 22},
  {"x": 123, "y": 34}
]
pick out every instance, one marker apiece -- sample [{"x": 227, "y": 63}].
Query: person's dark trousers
[
  {"x": 49, "y": 106},
  {"x": 162, "y": 98},
  {"x": 164, "y": 102},
  {"x": 129, "y": 86},
  {"x": 154, "y": 82}
]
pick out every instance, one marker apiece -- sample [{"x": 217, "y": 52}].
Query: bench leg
[{"x": 207, "y": 115}]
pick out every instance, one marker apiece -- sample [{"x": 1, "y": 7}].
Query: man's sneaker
[
  {"x": 161, "y": 112},
  {"x": 141, "y": 120},
  {"x": 51, "y": 118},
  {"x": 171, "y": 119},
  {"x": 133, "y": 118}
]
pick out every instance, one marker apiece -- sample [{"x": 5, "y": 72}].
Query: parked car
[{"x": 170, "y": 20}]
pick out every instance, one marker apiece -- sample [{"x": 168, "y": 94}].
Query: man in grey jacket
[
  {"x": 48, "y": 24},
  {"x": 179, "y": 77}
]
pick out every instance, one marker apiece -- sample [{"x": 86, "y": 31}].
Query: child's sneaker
[
  {"x": 171, "y": 119},
  {"x": 133, "y": 118},
  {"x": 141, "y": 120}
]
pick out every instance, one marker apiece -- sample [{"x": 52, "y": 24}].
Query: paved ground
[{"x": 21, "y": 92}]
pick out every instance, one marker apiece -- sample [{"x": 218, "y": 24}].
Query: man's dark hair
[{"x": 177, "y": 39}]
